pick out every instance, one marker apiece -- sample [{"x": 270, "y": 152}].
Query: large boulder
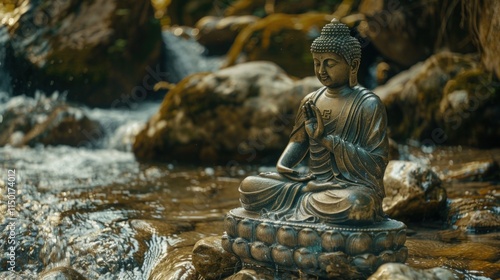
[
  {"x": 102, "y": 52},
  {"x": 236, "y": 115},
  {"x": 449, "y": 99},
  {"x": 407, "y": 31},
  {"x": 217, "y": 34},
  {"x": 413, "y": 191}
]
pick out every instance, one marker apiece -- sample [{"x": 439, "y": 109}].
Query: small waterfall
[
  {"x": 186, "y": 56},
  {"x": 5, "y": 85},
  {"x": 119, "y": 126}
]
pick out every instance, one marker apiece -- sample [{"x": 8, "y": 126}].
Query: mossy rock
[
  {"x": 449, "y": 99},
  {"x": 237, "y": 115},
  {"x": 97, "y": 51}
]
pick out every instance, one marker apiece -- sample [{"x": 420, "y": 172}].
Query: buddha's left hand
[
  {"x": 293, "y": 176},
  {"x": 315, "y": 186},
  {"x": 314, "y": 122}
]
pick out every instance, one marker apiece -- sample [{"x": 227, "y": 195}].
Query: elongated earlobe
[
  {"x": 353, "y": 74},
  {"x": 353, "y": 79}
]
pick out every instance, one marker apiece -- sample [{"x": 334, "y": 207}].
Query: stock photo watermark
[
  {"x": 455, "y": 119},
  {"x": 11, "y": 217}
]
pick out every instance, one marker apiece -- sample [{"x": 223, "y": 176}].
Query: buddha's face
[{"x": 331, "y": 69}]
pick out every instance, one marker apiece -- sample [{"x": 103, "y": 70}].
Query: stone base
[{"x": 325, "y": 250}]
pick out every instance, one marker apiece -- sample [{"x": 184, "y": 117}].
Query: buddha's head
[{"x": 336, "y": 56}]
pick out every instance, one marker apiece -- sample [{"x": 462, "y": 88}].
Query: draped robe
[{"x": 357, "y": 165}]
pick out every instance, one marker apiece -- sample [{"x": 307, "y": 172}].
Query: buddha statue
[{"x": 341, "y": 130}]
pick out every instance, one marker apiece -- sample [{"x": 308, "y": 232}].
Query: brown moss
[{"x": 280, "y": 38}]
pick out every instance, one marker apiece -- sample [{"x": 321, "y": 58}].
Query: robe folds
[{"x": 356, "y": 165}]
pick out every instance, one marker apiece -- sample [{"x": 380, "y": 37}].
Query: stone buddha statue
[{"x": 341, "y": 130}]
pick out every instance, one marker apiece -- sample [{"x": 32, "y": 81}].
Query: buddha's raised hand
[{"x": 314, "y": 122}]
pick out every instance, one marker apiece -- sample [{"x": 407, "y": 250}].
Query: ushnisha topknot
[{"x": 335, "y": 38}]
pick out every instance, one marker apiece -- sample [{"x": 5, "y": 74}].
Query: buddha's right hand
[
  {"x": 296, "y": 176},
  {"x": 315, "y": 186}
]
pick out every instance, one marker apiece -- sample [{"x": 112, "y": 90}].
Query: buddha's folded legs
[
  {"x": 258, "y": 193},
  {"x": 353, "y": 204},
  {"x": 283, "y": 199}
]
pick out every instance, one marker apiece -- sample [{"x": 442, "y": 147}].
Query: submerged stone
[
  {"x": 211, "y": 260},
  {"x": 61, "y": 273},
  {"x": 392, "y": 271},
  {"x": 46, "y": 121},
  {"x": 475, "y": 214}
]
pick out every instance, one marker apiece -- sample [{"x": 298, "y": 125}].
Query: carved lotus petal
[
  {"x": 287, "y": 236},
  {"x": 230, "y": 224},
  {"x": 400, "y": 238},
  {"x": 332, "y": 241},
  {"x": 309, "y": 238},
  {"x": 240, "y": 248},
  {"x": 365, "y": 262},
  {"x": 226, "y": 243},
  {"x": 383, "y": 241},
  {"x": 305, "y": 259},
  {"x": 386, "y": 257},
  {"x": 266, "y": 233},
  {"x": 282, "y": 255},
  {"x": 260, "y": 252},
  {"x": 402, "y": 254},
  {"x": 358, "y": 243},
  {"x": 245, "y": 229}
]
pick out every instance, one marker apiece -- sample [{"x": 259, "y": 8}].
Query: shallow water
[{"x": 109, "y": 217}]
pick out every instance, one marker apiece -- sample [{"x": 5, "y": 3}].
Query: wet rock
[
  {"x": 175, "y": 265},
  {"x": 435, "y": 102},
  {"x": 475, "y": 170},
  {"x": 101, "y": 52},
  {"x": 412, "y": 191},
  {"x": 46, "y": 121},
  {"x": 61, "y": 273},
  {"x": 237, "y": 115},
  {"x": 465, "y": 258},
  {"x": 474, "y": 251},
  {"x": 217, "y": 34},
  {"x": 252, "y": 274},
  {"x": 391, "y": 271},
  {"x": 9, "y": 275},
  {"x": 211, "y": 260},
  {"x": 409, "y": 31},
  {"x": 475, "y": 214}
]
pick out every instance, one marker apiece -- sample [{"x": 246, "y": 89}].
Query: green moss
[{"x": 118, "y": 46}]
